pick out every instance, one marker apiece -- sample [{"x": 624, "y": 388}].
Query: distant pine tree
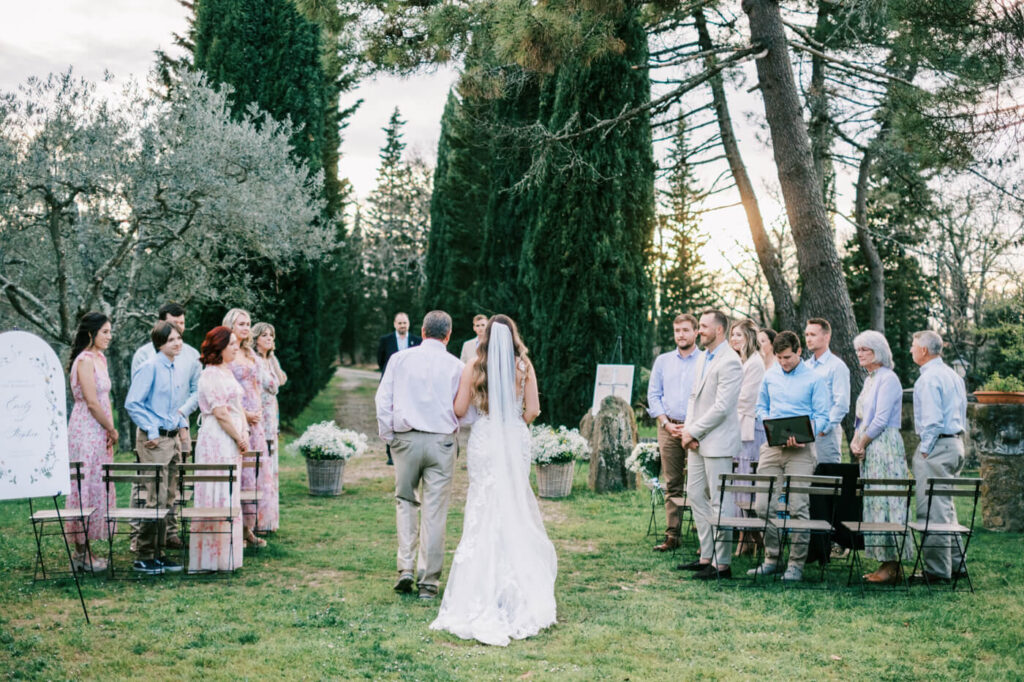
[{"x": 584, "y": 256}]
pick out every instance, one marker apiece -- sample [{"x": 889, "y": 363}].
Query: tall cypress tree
[
  {"x": 270, "y": 55},
  {"x": 457, "y": 210},
  {"x": 584, "y": 256}
]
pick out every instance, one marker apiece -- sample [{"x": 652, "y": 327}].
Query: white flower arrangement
[
  {"x": 326, "y": 441},
  {"x": 645, "y": 460},
  {"x": 548, "y": 446}
]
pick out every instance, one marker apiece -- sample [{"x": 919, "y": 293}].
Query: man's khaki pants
[
  {"x": 703, "y": 492},
  {"x": 779, "y": 462},
  {"x": 941, "y": 554},
  {"x": 426, "y": 459},
  {"x": 167, "y": 451},
  {"x": 673, "y": 474}
]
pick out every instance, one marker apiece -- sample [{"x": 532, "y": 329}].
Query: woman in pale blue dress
[{"x": 878, "y": 446}]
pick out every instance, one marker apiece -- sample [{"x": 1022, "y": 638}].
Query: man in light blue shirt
[
  {"x": 152, "y": 403},
  {"x": 940, "y": 417},
  {"x": 790, "y": 389},
  {"x": 668, "y": 393},
  {"x": 828, "y": 442}
]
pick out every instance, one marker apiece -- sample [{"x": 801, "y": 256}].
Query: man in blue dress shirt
[
  {"x": 790, "y": 389},
  {"x": 818, "y": 334},
  {"x": 153, "y": 400},
  {"x": 668, "y": 394},
  {"x": 940, "y": 417}
]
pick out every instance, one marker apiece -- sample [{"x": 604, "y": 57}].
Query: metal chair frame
[
  {"x": 794, "y": 484},
  {"x": 953, "y": 488},
  {"x": 41, "y": 517},
  {"x": 730, "y": 484},
  {"x": 897, "y": 532},
  {"x": 132, "y": 472},
  {"x": 209, "y": 472}
]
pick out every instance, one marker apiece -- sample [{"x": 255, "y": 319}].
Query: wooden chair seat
[
  {"x": 210, "y": 513},
  {"x": 740, "y": 523},
  {"x": 679, "y": 501},
  {"x": 799, "y": 525},
  {"x": 66, "y": 514},
  {"x": 137, "y": 514},
  {"x": 921, "y": 526},
  {"x": 872, "y": 527},
  {"x": 250, "y": 496}
]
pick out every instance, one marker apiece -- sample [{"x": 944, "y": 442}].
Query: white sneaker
[
  {"x": 767, "y": 568},
  {"x": 793, "y": 573}
]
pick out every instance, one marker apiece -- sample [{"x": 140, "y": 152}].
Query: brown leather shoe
[
  {"x": 173, "y": 542},
  {"x": 667, "y": 546}
]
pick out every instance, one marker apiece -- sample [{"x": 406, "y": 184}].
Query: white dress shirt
[{"x": 417, "y": 392}]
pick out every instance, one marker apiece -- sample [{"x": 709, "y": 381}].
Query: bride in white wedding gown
[{"x": 502, "y": 581}]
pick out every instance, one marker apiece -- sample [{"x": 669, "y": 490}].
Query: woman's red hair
[{"x": 217, "y": 339}]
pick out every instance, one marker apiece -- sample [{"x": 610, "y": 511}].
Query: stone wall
[{"x": 998, "y": 432}]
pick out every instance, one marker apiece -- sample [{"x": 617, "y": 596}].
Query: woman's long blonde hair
[
  {"x": 229, "y": 322},
  {"x": 749, "y": 330},
  {"x": 479, "y": 379}
]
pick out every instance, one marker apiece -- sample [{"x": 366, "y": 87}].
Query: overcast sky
[{"x": 93, "y": 36}]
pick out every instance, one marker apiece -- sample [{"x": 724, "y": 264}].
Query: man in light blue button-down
[
  {"x": 940, "y": 417},
  {"x": 828, "y": 442},
  {"x": 668, "y": 395}
]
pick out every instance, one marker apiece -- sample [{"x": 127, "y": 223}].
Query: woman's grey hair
[
  {"x": 876, "y": 343},
  {"x": 930, "y": 341},
  {"x": 437, "y": 324}
]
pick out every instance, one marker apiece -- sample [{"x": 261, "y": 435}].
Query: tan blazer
[
  {"x": 711, "y": 416},
  {"x": 468, "y": 353},
  {"x": 753, "y": 377}
]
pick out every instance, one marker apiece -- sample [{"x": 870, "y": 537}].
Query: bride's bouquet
[
  {"x": 326, "y": 441},
  {"x": 646, "y": 461},
  {"x": 548, "y": 446}
]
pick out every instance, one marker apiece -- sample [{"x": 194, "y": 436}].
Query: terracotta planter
[
  {"x": 1000, "y": 397},
  {"x": 555, "y": 480},
  {"x": 325, "y": 476}
]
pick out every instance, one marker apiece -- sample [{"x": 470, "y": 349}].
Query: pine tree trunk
[
  {"x": 767, "y": 256},
  {"x": 824, "y": 292}
]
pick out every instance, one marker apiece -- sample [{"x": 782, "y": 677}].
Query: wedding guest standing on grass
[
  {"x": 940, "y": 416},
  {"x": 668, "y": 395},
  {"x": 152, "y": 403},
  {"x": 223, "y": 437},
  {"x": 247, "y": 373},
  {"x": 765, "y": 339},
  {"x": 790, "y": 389},
  {"x": 272, "y": 377},
  {"x": 91, "y": 434},
  {"x": 828, "y": 443},
  {"x": 743, "y": 340},
  {"x": 878, "y": 446},
  {"x": 186, "y": 369}
]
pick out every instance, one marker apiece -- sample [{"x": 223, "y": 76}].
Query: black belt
[
  {"x": 168, "y": 434},
  {"x": 674, "y": 421},
  {"x": 951, "y": 435}
]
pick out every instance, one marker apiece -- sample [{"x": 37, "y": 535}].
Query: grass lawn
[{"x": 317, "y": 603}]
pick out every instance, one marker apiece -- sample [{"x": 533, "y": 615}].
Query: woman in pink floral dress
[
  {"x": 247, "y": 373},
  {"x": 91, "y": 434},
  {"x": 272, "y": 378},
  {"x": 223, "y": 438}
]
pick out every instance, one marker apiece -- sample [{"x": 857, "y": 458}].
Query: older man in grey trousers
[
  {"x": 940, "y": 417},
  {"x": 416, "y": 417}
]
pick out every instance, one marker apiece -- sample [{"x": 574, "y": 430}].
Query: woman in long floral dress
[
  {"x": 878, "y": 446},
  {"x": 247, "y": 373},
  {"x": 91, "y": 434},
  {"x": 272, "y": 378},
  {"x": 222, "y": 439}
]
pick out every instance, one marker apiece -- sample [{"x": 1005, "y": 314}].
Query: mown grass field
[{"x": 318, "y": 604}]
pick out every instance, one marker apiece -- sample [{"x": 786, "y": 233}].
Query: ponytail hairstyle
[
  {"x": 88, "y": 327},
  {"x": 479, "y": 377}
]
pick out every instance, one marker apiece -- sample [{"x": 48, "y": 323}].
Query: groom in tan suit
[{"x": 712, "y": 439}]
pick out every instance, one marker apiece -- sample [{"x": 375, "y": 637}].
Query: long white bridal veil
[{"x": 501, "y": 376}]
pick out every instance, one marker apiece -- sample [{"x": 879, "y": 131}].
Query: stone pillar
[
  {"x": 998, "y": 435},
  {"x": 612, "y": 435}
]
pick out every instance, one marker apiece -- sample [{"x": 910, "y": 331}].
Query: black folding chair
[
  {"x": 42, "y": 518},
  {"x": 788, "y": 526},
  {"x": 923, "y": 530},
  {"x": 133, "y": 473},
  {"x": 747, "y": 484},
  {"x": 881, "y": 534},
  {"x": 193, "y": 475}
]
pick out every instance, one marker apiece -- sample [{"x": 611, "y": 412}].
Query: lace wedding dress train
[{"x": 502, "y": 580}]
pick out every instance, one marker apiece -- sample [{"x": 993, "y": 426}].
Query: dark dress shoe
[
  {"x": 709, "y": 572},
  {"x": 695, "y": 565},
  {"x": 428, "y": 592},
  {"x": 926, "y": 578},
  {"x": 667, "y": 546}
]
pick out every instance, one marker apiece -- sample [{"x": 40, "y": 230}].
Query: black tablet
[{"x": 779, "y": 430}]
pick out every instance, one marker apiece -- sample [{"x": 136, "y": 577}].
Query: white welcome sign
[{"x": 33, "y": 419}]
